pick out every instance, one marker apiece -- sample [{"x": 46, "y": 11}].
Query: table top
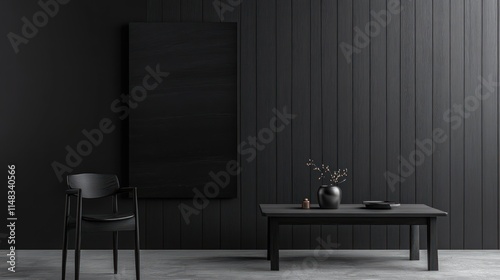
[{"x": 349, "y": 210}]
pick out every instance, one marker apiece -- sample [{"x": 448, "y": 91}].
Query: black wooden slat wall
[
  {"x": 457, "y": 148},
  {"x": 154, "y": 207},
  {"x": 344, "y": 111},
  {"x": 316, "y": 104},
  {"x": 230, "y": 224},
  {"x": 329, "y": 93},
  {"x": 368, "y": 113},
  {"x": 489, "y": 120},
  {"x": 211, "y": 226},
  {"x": 266, "y": 101},
  {"x": 423, "y": 101},
  {"x": 407, "y": 108},
  {"x": 284, "y": 100},
  {"x": 171, "y": 229},
  {"x": 393, "y": 116},
  {"x": 361, "y": 124},
  {"x": 248, "y": 124},
  {"x": 439, "y": 194},
  {"x": 472, "y": 125},
  {"x": 378, "y": 120},
  {"x": 301, "y": 106}
]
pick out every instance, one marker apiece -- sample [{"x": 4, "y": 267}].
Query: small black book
[{"x": 376, "y": 204}]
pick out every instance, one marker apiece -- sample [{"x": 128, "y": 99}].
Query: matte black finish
[
  {"x": 329, "y": 197},
  {"x": 432, "y": 248},
  {"x": 93, "y": 186},
  {"x": 352, "y": 214},
  {"x": 266, "y": 101},
  {"x": 185, "y": 129},
  {"x": 76, "y": 92},
  {"x": 349, "y": 210},
  {"x": 60, "y": 83},
  {"x": 457, "y": 64},
  {"x": 361, "y": 125},
  {"x": 414, "y": 242}
]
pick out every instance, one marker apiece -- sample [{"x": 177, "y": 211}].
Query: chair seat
[{"x": 108, "y": 217}]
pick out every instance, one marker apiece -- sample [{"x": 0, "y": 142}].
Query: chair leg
[
  {"x": 78, "y": 234},
  {"x": 65, "y": 241},
  {"x": 64, "y": 253},
  {"x": 77, "y": 255},
  {"x": 137, "y": 254},
  {"x": 115, "y": 251}
]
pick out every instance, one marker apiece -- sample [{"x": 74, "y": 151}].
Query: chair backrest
[{"x": 94, "y": 185}]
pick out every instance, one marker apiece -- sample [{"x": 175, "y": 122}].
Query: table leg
[
  {"x": 274, "y": 244},
  {"x": 268, "y": 239},
  {"x": 414, "y": 243},
  {"x": 432, "y": 250}
]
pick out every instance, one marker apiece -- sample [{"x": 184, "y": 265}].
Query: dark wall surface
[
  {"x": 59, "y": 83},
  {"x": 398, "y": 97}
]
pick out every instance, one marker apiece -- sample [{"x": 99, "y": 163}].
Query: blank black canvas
[{"x": 187, "y": 126}]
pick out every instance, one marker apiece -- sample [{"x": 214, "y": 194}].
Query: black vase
[{"x": 329, "y": 196}]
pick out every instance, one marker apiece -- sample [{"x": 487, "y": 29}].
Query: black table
[{"x": 354, "y": 214}]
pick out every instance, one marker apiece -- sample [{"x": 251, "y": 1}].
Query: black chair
[{"x": 91, "y": 186}]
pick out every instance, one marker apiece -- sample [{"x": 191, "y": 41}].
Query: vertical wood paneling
[
  {"x": 171, "y": 216},
  {"x": 142, "y": 223},
  {"x": 193, "y": 234},
  {"x": 155, "y": 10},
  {"x": 329, "y": 82},
  {"x": 191, "y": 10},
  {"x": 171, "y": 224},
  {"x": 345, "y": 113},
  {"x": 360, "y": 114},
  {"x": 211, "y": 214},
  {"x": 360, "y": 174},
  {"x": 230, "y": 236},
  {"x": 316, "y": 107},
  {"x": 457, "y": 128},
  {"x": 393, "y": 112},
  {"x": 154, "y": 207},
  {"x": 171, "y": 10},
  {"x": 441, "y": 101},
  {"x": 489, "y": 110},
  {"x": 266, "y": 102},
  {"x": 472, "y": 126},
  {"x": 210, "y": 14},
  {"x": 407, "y": 109},
  {"x": 284, "y": 100},
  {"x": 248, "y": 124},
  {"x": 422, "y": 159},
  {"x": 378, "y": 117},
  {"x": 301, "y": 106},
  {"x": 498, "y": 142},
  {"x": 154, "y": 224}
]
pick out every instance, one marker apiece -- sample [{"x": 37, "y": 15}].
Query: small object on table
[
  {"x": 370, "y": 204},
  {"x": 306, "y": 204}
]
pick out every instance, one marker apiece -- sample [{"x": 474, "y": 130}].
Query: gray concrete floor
[{"x": 239, "y": 264}]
